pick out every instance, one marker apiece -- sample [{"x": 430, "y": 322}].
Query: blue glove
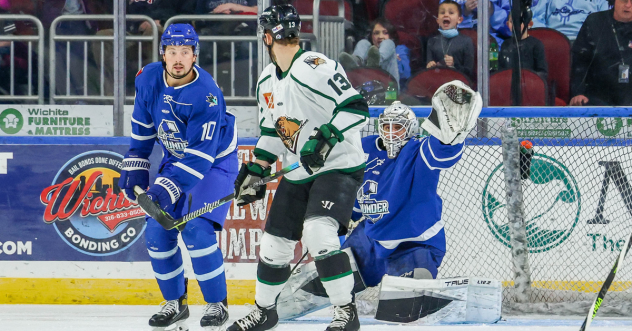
[
  {"x": 166, "y": 192},
  {"x": 135, "y": 172}
]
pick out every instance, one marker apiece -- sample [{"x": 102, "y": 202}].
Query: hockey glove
[
  {"x": 165, "y": 192},
  {"x": 248, "y": 174},
  {"x": 317, "y": 148},
  {"x": 455, "y": 109},
  {"x": 135, "y": 172}
]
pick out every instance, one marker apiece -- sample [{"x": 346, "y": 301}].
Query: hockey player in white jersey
[
  {"x": 309, "y": 113},
  {"x": 401, "y": 232}
]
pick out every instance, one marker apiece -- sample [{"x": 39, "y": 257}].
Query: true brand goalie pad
[
  {"x": 439, "y": 301},
  {"x": 455, "y": 109}
]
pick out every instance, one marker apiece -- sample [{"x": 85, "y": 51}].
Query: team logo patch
[
  {"x": 167, "y": 132},
  {"x": 211, "y": 99},
  {"x": 277, "y": 28},
  {"x": 372, "y": 209},
  {"x": 314, "y": 61},
  {"x": 376, "y": 162},
  {"x": 88, "y": 209},
  {"x": 269, "y": 100},
  {"x": 289, "y": 129}
]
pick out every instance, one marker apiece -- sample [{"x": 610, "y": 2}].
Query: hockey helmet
[
  {"x": 281, "y": 20},
  {"x": 373, "y": 92},
  {"x": 401, "y": 124},
  {"x": 180, "y": 35}
]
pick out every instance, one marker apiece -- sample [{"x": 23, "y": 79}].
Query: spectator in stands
[
  {"x": 531, "y": 50},
  {"x": 160, "y": 11},
  {"x": 601, "y": 58},
  {"x": 226, "y": 28},
  {"x": 565, "y": 16},
  {"x": 449, "y": 48},
  {"x": 380, "y": 50},
  {"x": 498, "y": 12}
]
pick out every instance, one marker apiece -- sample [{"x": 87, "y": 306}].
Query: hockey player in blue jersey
[
  {"x": 400, "y": 232},
  {"x": 180, "y": 104}
]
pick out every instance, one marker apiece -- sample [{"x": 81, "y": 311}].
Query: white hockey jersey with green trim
[{"x": 314, "y": 91}]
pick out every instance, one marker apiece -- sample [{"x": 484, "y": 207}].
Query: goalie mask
[{"x": 396, "y": 125}]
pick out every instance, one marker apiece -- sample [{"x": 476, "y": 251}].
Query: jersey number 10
[{"x": 208, "y": 130}]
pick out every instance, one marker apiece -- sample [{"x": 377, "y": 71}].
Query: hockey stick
[
  {"x": 592, "y": 312},
  {"x": 152, "y": 209}
]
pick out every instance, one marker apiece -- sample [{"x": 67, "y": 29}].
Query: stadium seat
[
  {"x": 372, "y": 9},
  {"x": 424, "y": 84},
  {"x": 327, "y": 8},
  {"x": 416, "y": 17},
  {"x": 359, "y": 76},
  {"x": 534, "y": 89},
  {"x": 416, "y": 50},
  {"x": 558, "y": 56}
]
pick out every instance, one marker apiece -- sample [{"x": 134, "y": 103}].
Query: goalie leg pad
[
  {"x": 446, "y": 301},
  {"x": 304, "y": 292}
]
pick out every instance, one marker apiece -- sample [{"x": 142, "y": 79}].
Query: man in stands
[{"x": 601, "y": 58}]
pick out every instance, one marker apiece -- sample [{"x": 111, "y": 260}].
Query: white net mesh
[{"x": 578, "y": 211}]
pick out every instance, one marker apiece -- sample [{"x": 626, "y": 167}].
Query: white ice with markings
[{"x": 134, "y": 318}]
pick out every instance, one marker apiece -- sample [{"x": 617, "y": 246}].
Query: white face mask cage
[{"x": 396, "y": 125}]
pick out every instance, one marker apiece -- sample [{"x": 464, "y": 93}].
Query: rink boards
[{"x": 88, "y": 248}]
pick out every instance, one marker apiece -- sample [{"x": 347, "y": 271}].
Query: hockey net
[{"x": 577, "y": 205}]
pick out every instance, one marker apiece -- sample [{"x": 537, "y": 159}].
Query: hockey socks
[
  {"x": 270, "y": 282},
  {"x": 334, "y": 271}
]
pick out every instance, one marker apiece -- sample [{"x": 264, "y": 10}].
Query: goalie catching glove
[
  {"x": 455, "y": 109},
  {"x": 317, "y": 148},
  {"x": 248, "y": 174}
]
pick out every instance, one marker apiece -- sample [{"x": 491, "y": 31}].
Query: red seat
[
  {"x": 534, "y": 90},
  {"x": 360, "y": 76},
  {"x": 558, "y": 56},
  {"x": 424, "y": 84},
  {"x": 327, "y": 8},
  {"x": 372, "y": 9},
  {"x": 415, "y": 17},
  {"x": 416, "y": 50}
]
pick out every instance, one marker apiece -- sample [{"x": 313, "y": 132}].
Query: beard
[{"x": 174, "y": 76}]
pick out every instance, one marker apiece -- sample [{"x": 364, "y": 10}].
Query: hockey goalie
[{"x": 399, "y": 241}]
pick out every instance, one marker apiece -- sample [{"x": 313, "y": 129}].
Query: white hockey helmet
[{"x": 396, "y": 125}]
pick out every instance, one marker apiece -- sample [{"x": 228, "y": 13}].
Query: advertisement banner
[
  {"x": 63, "y": 203},
  {"x": 56, "y": 120}
]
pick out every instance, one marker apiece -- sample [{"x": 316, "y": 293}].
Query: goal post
[{"x": 576, "y": 205}]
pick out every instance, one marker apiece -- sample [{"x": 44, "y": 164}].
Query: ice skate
[
  {"x": 345, "y": 318},
  {"x": 172, "y": 316},
  {"x": 259, "y": 319},
  {"x": 215, "y": 316}
]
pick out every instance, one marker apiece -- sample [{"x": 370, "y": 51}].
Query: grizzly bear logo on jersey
[{"x": 288, "y": 130}]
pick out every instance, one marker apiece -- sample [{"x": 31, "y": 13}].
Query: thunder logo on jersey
[
  {"x": 372, "y": 209},
  {"x": 166, "y": 133}
]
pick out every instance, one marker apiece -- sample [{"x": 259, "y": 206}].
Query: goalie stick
[
  {"x": 152, "y": 209},
  {"x": 592, "y": 312}
]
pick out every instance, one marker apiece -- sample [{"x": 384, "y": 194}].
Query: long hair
[{"x": 392, "y": 31}]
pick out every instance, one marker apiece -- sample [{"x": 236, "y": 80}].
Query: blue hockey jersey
[
  {"x": 190, "y": 121},
  {"x": 398, "y": 197}
]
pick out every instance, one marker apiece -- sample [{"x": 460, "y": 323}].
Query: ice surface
[{"x": 128, "y": 318}]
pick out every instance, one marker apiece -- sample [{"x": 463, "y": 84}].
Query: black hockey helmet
[{"x": 281, "y": 20}]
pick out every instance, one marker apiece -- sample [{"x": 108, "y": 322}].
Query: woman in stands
[{"x": 380, "y": 50}]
